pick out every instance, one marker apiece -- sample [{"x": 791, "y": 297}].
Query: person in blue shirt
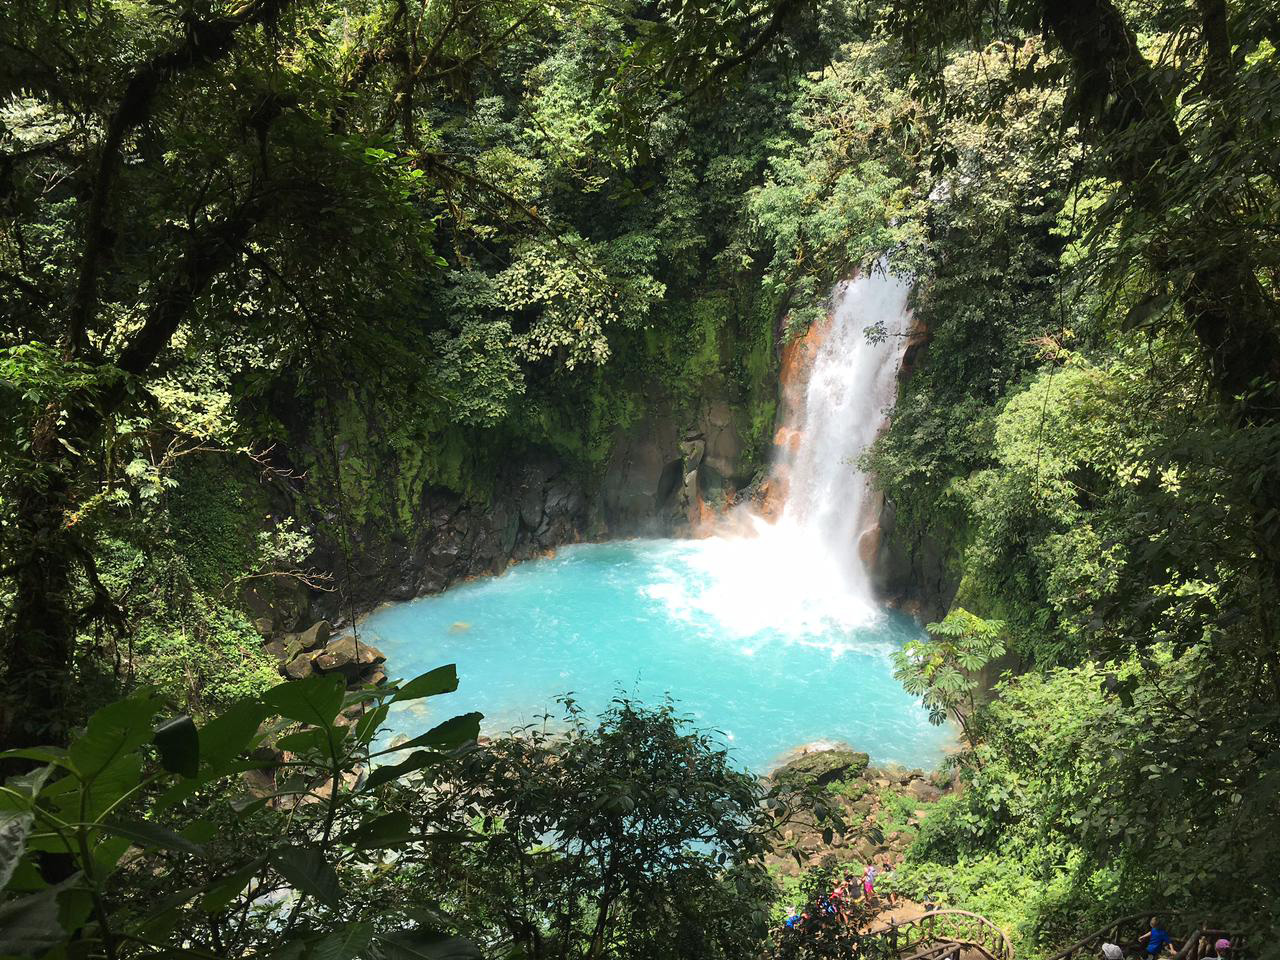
[{"x": 1157, "y": 938}]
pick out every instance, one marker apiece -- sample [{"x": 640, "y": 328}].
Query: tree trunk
[{"x": 40, "y": 645}]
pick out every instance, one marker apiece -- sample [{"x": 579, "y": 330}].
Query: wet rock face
[
  {"x": 406, "y": 537},
  {"x": 668, "y": 465},
  {"x": 909, "y": 570},
  {"x": 538, "y": 505}
]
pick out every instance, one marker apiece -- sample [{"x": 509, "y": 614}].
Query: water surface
[{"x": 695, "y": 620}]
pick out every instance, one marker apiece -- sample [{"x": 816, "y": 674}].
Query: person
[
  {"x": 885, "y": 873},
  {"x": 869, "y": 883},
  {"x": 1221, "y": 949},
  {"x": 796, "y": 919},
  {"x": 1112, "y": 951},
  {"x": 1157, "y": 938},
  {"x": 836, "y": 899}
]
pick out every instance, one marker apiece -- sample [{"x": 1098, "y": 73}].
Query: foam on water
[{"x": 633, "y": 618}]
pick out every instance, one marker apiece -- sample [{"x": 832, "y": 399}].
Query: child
[{"x": 1157, "y": 938}]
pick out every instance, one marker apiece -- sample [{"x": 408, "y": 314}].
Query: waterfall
[
  {"x": 851, "y": 382},
  {"x": 801, "y": 574}
]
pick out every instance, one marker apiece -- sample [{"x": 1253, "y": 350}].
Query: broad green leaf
[
  {"x": 31, "y": 925},
  {"x": 385, "y": 831},
  {"x": 308, "y": 872},
  {"x": 440, "y": 680},
  {"x": 113, "y": 732},
  {"x": 315, "y": 700},
  {"x": 370, "y": 723},
  {"x": 23, "y": 789},
  {"x": 226, "y": 890},
  {"x": 107, "y": 853},
  {"x": 39, "y": 754},
  {"x": 108, "y": 786},
  {"x": 15, "y": 826},
  {"x": 179, "y": 746},
  {"x": 449, "y": 735},
  {"x": 152, "y": 836},
  {"x": 230, "y": 733},
  {"x": 426, "y": 945},
  {"x": 342, "y": 944},
  {"x": 199, "y": 831},
  {"x": 303, "y": 741},
  {"x": 390, "y": 772}
]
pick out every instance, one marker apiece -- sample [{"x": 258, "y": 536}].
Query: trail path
[{"x": 900, "y": 913}]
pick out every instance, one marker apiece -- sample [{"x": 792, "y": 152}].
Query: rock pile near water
[
  {"x": 316, "y": 650},
  {"x": 882, "y": 806}
]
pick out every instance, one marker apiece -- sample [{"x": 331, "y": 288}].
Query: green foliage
[
  {"x": 944, "y": 671},
  {"x": 126, "y": 825},
  {"x": 829, "y": 927},
  {"x": 259, "y": 832},
  {"x": 896, "y": 811},
  {"x": 632, "y": 834},
  {"x": 208, "y": 658}
]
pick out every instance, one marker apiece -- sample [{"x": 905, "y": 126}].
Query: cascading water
[
  {"x": 852, "y": 381},
  {"x": 769, "y": 635},
  {"x": 804, "y": 574}
]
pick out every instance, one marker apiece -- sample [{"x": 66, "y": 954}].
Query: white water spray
[
  {"x": 803, "y": 576},
  {"x": 852, "y": 382}
]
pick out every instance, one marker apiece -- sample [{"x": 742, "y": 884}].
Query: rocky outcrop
[
  {"x": 821, "y": 767},
  {"x": 313, "y": 651},
  {"x": 909, "y": 570},
  {"x": 349, "y": 657},
  {"x": 882, "y": 807},
  {"x": 538, "y": 505}
]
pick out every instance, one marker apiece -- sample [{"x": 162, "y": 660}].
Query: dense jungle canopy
[{"x": 282, "y": 279}]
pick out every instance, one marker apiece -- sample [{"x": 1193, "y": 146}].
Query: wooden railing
[
  {"x": 944, "y": 935},
  {"x": 1123, "y": 932},
  {"x": 1126, "y": 931},
  {"x": 1200, "y": 944}
]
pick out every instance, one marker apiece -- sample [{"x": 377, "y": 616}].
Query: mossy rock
[{"x": 821, "y": 767}]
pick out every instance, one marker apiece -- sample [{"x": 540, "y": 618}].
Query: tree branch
[{"x": 206, "y": 42}]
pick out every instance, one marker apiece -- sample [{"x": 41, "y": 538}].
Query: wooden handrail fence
[
  {"x": 959, "y": 934},
  {"x": 1125, "y": 932},
  {"x": 944, "y": 935}
]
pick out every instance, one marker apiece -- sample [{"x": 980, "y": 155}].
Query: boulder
[
  {"x": 821, "y": 767},
  {"x": 300, "y": 667},
  {"x": 264, "y": 626},
  {"x": 279, "y": 650},
  {"x": 347, "y": 657},
  {"x": 923, "y": 791},
  {"x": 316, "y": 635}
]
